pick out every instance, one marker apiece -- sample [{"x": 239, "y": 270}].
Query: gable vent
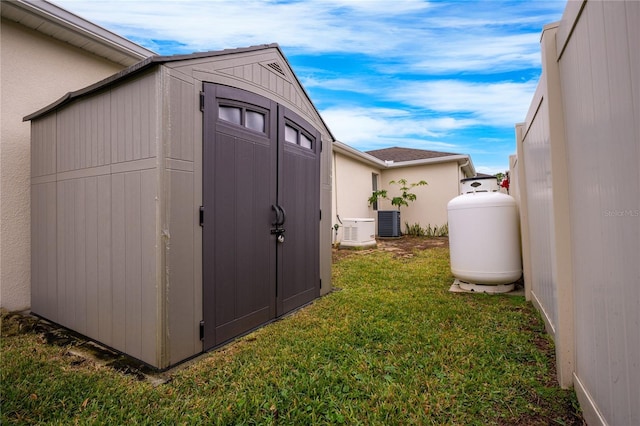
[{"x": 276, "y": 67}]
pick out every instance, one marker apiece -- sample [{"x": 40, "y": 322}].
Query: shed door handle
[
  {"x": 278, "y": 211},
  {"x": 281, "y": 215}
]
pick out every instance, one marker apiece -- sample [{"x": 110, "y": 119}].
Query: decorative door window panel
[{"x": 242, "y": 116}]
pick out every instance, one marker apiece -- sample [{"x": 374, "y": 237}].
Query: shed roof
[
  {"x": 159, "y": 60},
  {"x": 406, "y": 154},
  {"x": 135, "y": 69},
  {"x": 62, "y": 25}
]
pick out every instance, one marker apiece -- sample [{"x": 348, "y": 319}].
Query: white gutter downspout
[
  {"x": 335, "y": 181},
  {"x": 460, "y": 171}
]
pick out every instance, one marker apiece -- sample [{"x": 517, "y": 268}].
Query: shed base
[
  {"x": 358, "y": 244},
  {"x": 465, "y": 287}
]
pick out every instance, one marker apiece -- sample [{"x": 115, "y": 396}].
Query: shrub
[{"x": 436, "y": 231}]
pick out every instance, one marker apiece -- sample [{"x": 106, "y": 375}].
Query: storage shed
[{"x": 180, "y": 203}]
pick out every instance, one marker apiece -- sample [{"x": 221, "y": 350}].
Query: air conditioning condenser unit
[{"x": 389, "y": 223}]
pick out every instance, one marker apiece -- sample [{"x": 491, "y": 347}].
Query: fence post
[{"x": 564, "y": 338}]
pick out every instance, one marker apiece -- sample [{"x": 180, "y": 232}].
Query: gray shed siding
[
  {"x": 258, "y": 72},
  {"x": 116, "y": 187},
  {"x": 94, "y": 208}
]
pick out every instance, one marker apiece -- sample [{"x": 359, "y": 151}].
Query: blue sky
[{"x": 452, "y": 76}]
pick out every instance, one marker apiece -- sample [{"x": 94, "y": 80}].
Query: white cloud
[
  {"x": 434, "y": 64},
  {"x": 311, "y": 26},
  {"x": 376, "y": 7},
  {"x": 419, "y": 36},
  {"x": 491, "y": 169},
  {"x": 354, "y": 85},
  {"x": 499, "y": 103},
  {"x": 384, "y": 127},
  {"x": 482, "y": 53}
]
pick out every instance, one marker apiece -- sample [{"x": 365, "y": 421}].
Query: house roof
[
  {"x": 397, "y": 154},
  {"x": 62, "y": 25},
  {"x": 412, "y": 157}
]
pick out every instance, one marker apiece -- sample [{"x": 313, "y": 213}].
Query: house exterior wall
[
  {"x": 352, "y": 187},
  {"x": 35, "y": 71},
  {"x": 95, "y": 217},
  {"x": 430, "y": 206},
  {"x": 594, "y": 53}
]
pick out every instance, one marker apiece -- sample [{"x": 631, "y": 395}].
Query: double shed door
[{"x": 261, "y": 201}]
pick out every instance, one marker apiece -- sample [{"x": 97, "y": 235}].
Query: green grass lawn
[{"x": 393, "y": 346}]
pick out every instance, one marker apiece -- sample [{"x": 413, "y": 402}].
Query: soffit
[{"x": 53, "y": 21}]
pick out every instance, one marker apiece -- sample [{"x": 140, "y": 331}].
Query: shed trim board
[{"x": 120, "y": 171}]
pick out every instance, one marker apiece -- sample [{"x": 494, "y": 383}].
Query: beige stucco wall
[
  {"x": 430, "y": 206},
  {"x": 352, "y": 186},
  {"x": 35, "y": 70}
]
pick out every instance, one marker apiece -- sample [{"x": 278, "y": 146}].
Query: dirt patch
[
  {"x": 15, "y": 323},
  {"x": 405, "y": 246},
  {"x": 77, "y": 347}
]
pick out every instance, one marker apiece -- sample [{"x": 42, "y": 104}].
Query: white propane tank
[
  {"x": 479, "y": 184},
  {"x": 484, "y": 241}
]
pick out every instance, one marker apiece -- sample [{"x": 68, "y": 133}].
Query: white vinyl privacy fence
[{"x": 577, "y": 167}]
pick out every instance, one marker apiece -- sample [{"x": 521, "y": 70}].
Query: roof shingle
[{"x": 406, "y": 154}]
